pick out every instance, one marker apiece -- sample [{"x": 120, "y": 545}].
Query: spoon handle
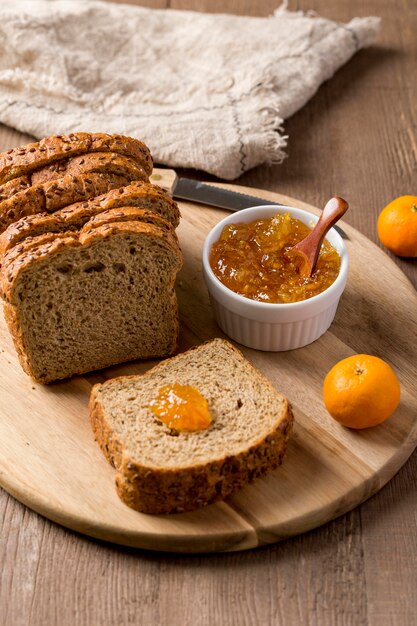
[{"x": 310, "y": 246}]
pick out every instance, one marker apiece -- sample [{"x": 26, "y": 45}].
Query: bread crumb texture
[
  {"x": 163, "y": 471},
  {"x": 85, "y": 301},
  {"x": 88, "y": 253}
]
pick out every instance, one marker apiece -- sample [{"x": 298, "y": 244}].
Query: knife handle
[{"x": 167, "y": 179}]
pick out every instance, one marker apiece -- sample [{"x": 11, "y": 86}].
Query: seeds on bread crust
[
  {"x": 24, "y": 160},
  {"x": 54, "y": 195},
  {"x": 44, "y": 245},
  {"x": 53, "y": 199},
  {"x": 14, "y": 186},
  {"x": 19, "y": 251},
  {"x": 108, "y": 162},
  {"x": 128, "y": 214},
  {"x": 135, "y": 194}
]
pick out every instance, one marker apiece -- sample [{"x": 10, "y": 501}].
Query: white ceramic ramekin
[{"x": 273, "y": 327}]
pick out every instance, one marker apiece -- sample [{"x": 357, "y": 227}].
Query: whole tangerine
[
  {"x": 397, "y": 226},
  {"x": 361, "y": 391}
]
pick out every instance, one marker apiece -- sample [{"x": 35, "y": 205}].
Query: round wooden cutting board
[{"x": 50, "y": 462}]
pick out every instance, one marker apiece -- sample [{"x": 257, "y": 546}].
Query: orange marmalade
[
  {"x": 251, "y": 260},
  {"x": 182, "y": 408}
]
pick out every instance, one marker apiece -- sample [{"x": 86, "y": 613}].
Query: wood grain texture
[
  {"x": 52, "y": 464},
  {"x": 357, "y": 570}
]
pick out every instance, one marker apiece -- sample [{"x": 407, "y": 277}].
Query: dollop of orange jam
[
  {"x": 182, "y": 408},
  {"x": 251, "y": 260}
]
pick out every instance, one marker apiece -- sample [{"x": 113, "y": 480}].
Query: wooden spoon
[{"x": 308, "y": 249}]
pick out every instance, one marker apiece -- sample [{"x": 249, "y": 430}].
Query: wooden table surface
[{"x": 357, "y": 137}]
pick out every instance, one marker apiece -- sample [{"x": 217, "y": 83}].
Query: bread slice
[
  {"x": 56, "y": 194},
  {"x": 73, "y": 217},
  {"x": 109, "y": 162},
  {"x": 29, "y": 244},
  {"x": 137, "y": 193},
  {"x": 83, "y": 301},
  {"x": 14, "y": 186},
  {"x": 26, "y": 159},
  {"x": 161, "y": 471},
  {"x": 56, "y": 229},
  {"x": 128, "y": 214}
]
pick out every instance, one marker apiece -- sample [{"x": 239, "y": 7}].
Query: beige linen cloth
[{"x": 203, "y": 91}]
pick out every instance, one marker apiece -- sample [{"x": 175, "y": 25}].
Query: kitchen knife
[
  {"x": 196, "y": 191},
  {"x": 201, "y": 193}
]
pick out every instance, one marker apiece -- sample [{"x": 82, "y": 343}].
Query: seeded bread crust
[
  {"x": 57, "y": 229},
  {"x": 51, "y": 243},
  {"x": 53, "y": 195},
  {"x": 28, "y": 254},
  {"x": 26, "y": 159},
  {"x": 108, "y": 162},
  {"x": 28, "y": 244},
  {"x": 73, "y": 217},
  {"x": 136, "y": 193},
  {"x": 129, "y": 214},
  {"x": 14, "y": 186},
  {"x": 47, "y": 248},
  {"x": 32, "y": 226},
  {"x": 158, "y": 490}
]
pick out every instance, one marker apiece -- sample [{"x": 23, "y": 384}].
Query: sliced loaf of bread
[
  {"x": 14, "y": 186},
  {"x": 94, "y": 162},
  {"x": 136, "y": 194},
  {"x": 58, "y": 229},
  {"x": 56, "y": 194},
  {"x": 161, "y": 471},
  {"x": 76, "y": 302},
  {"x": 26, "y": 159},
  {"x": 128, "y": 214}
]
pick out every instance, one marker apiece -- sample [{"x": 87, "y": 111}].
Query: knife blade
[
  {"x": 195, "y": 191},
  {"x": 211, "y": 195}
]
